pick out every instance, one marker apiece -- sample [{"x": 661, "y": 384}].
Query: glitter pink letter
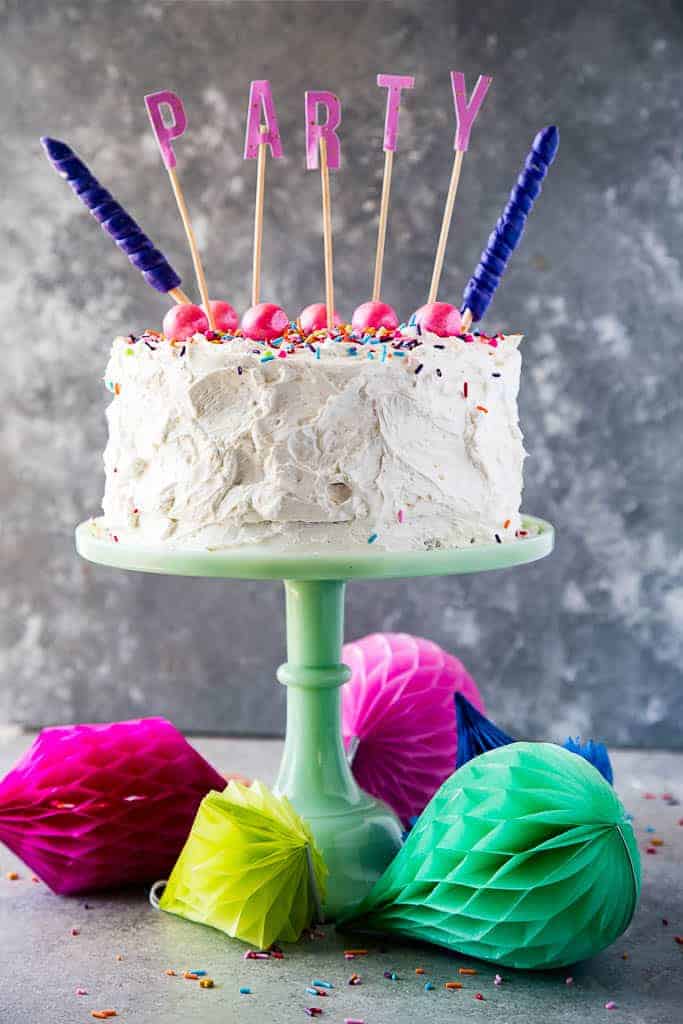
[
  {"x": 261, "y": 98},
  {"x": 466, "y": 112},
  {"x": 394, "y": 83},
  {"x": 166, "y": 133},
  {"x": 315, "y": 131}
]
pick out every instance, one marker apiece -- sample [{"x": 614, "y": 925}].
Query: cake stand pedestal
[{"x": 357, "y": 834}]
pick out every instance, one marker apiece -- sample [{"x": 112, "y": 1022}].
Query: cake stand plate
[{"x": 357, "y": 834}]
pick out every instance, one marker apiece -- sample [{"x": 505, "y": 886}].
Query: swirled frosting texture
[{"x": 211, "y": 446}]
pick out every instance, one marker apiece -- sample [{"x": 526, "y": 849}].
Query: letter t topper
[
  {"x": 395, "y": 84},
  {"x": 327, "y": 131}
]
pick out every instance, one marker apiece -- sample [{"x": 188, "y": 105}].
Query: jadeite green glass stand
[{"x": 357, "y": 834}]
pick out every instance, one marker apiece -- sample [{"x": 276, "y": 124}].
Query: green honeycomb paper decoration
[
  {"x": 524, "y": 857},
  {"x": 250, "y": 868}
]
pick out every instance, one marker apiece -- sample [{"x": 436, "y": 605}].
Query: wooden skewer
[
  {"x": 466, "y": 321},
  {"x": 445, "y": 225},
  {"x": 192, "y": 241},
  {"x": 382, "y": 228},
  {"x": 327, "y": 233},
  {"x": 179, "y": 296},
  {"x": 258, "y": 217}
]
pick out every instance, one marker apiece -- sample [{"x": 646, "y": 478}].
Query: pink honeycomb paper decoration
[
  {"x": 398, "y": 717},
  {"x": 104, "y": 806}
]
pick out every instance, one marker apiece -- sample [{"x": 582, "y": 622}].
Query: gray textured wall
[{"x": 588, "y": 641}]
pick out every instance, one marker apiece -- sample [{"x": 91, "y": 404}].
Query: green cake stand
[{"x": 357, "y": 834}]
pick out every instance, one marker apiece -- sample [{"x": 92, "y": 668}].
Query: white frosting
[{"x": 337, "y": 451}]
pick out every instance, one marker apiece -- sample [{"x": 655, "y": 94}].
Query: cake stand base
[{"x": 357, "y": 835}]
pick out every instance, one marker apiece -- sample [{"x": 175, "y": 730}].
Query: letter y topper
[{"x": 466, "y": 111}]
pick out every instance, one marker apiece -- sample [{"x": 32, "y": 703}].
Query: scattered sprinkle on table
[
  {"x": 610, "y": 1005},
  {"x": 419, "y": 970},
  {"x": 452, "y": 985},
  {"x": 479, "y": 996},
  {"x": 498, "y": 980},
  {"x": 355, "y": 952},
  {"x": 75, "y": 931},
  {"x": 103, "y": 1014},
  {"x": 372, "y": 538},
  {"x": 12, "y": 876},
  {"x": 244, "y": 991},
  {"x": 429, "y": 987},
  {"x": 171, "y": 973},
  {"x": 312, "y": 1011},
  {"x": 354, "y": 979},
  {"x": 206, "y": 982},
  {"x": 322, "y": 984},
  {"x": 353, "y": 1020},
  {"x": 81, "y": 991},
  {"x": 190, "y": 976},
  {"x": 569, "y": 981},
  {"x": 467, "y": 970}
]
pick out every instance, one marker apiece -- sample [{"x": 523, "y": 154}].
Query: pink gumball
[
  {"x": 398, "y": 715},
  {"x": 264, "y": 322},
  {"x": 224, "y": 316},
  {"x": 439, "y": 318},
  {"x": 181, "y": 322},
  {"x": 374, "y": 314},
  {"x": 314, "y": 318}
]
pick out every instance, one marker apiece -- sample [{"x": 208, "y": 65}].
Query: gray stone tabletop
[{"x": 123, "y": 946}]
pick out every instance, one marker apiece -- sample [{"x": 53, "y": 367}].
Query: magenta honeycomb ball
[{"x": 398, "y": 715}]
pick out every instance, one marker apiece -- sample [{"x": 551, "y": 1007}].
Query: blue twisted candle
[
  {"x": 508, "y": 231},
  {"x": 155, "y": 268}
]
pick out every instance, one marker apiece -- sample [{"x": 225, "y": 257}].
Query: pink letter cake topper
[
  {"x": 261, "y": 99},
  {"x": 394, "y": 83},
  {"x": 165, "y": 133},
  {"x": 327, "y": 131},
  {"x": 466, "y": 112}
]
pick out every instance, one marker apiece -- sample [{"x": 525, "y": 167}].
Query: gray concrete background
[
  {"x": 43, "y": 963},
  {"x": 588, "y": 641}
]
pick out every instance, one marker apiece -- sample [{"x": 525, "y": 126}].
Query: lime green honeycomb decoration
[
  {"x": 525, "y": 857},
  {"x": 250, "y": 867}
]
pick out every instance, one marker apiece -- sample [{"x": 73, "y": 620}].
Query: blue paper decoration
[
  {"x": 595, "y": 753},
  {"x": 476, "y": 734},
  {"x": 508, "y": 231},
  {"x": 139, "y": 249}
]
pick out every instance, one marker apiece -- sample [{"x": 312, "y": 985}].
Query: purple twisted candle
[
  {"x": 139, "y": 249},
  {"x": 508, "y": 231}
]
